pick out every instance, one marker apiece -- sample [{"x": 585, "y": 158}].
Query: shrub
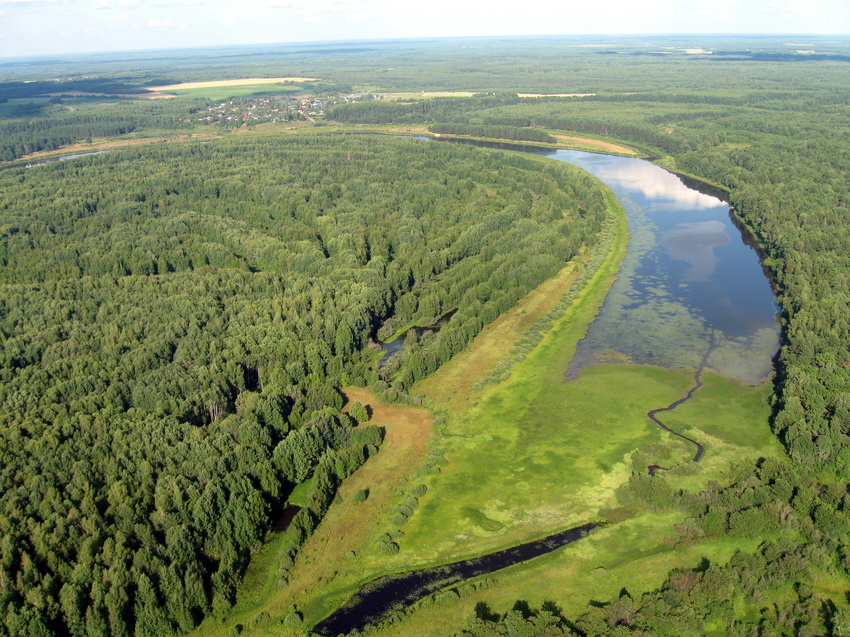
[
  {"x": 359, "y": 412},
  {"x": 293, "y": 619},
  {"x": 388, "y": 548}
]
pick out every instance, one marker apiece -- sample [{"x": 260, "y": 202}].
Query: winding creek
[{"x": 690, "y": 294}]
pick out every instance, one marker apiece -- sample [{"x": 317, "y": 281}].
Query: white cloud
[
  {"x": 100, "y": 4},
  {"x": 128, "y": 3},
  {"x": 28, "y": 2},
  {"x": 159, "y": 23},
  {"x": 277, "y": 4},
  {"x": 360, "y": 17}
]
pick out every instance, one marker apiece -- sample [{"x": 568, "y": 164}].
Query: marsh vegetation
[{"x": 179, "y": 322}]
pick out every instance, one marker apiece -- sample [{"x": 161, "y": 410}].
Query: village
[{"x": 238, "y": 111}]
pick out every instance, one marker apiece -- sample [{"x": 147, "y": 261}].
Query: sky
[{"x": 51, "y": 27}]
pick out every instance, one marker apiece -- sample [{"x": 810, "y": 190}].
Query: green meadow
[
  {"x": 223, "y": 92},
  {"x": 533, "y": 455},
  {"x": 526, "y": 463}
]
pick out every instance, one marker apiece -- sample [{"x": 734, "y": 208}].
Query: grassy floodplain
[
  {"x": 528, "y": 457},
  {"x": 639, "y": 547}
]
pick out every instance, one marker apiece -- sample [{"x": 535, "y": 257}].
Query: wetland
[{"x": 690, "y": 295}]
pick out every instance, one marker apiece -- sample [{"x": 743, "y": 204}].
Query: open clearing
[
  {"x": 595, "y": 144},
  {"x": 555, "y": 94},
  {"x": 241, "y": 82},
  {"x": 347, "y": 527}
]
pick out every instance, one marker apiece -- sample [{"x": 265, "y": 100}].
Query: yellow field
[{"x": 242, "y": 82}]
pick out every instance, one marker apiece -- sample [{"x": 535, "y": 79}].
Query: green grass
[
  {"x": 729, "y": 411},
  {"x": 534, "y": 455},
  {"x": 298, "y": 497},
  {"x": 223, "y": 92},
  {"x": 639, "y": 547},
  {"x": 538, "y": 454},
  {"x": 635, "y": 554}
]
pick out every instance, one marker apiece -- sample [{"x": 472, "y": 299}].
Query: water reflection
[
  {"x": 688, "y": 280},
  {"x": 694, "y": 243},
  {"x": 652, "y": 182}
]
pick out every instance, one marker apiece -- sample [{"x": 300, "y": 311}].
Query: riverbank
[
  {"x": 337, "y": 560},
  {"x": 532, "y": 455}
]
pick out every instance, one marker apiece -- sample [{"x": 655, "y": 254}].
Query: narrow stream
[
  {"x": 395, "y": 345},
  {"x": 396, "y": 592},
  {"x": 652, "y": 414}
]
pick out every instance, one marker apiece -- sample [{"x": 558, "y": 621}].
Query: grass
[
  {"x": 223, "y": 92},
  {"x": 527, "y": 457},
  {"x": 538, "y": 454},
  {"x": 635, "y": 552},
  {"x": 325, "y": 572}
]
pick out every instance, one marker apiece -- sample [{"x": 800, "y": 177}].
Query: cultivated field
[{"x": 241, "y": 82}]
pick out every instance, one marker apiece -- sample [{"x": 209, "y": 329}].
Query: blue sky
[{"x": 49, "y": 27}]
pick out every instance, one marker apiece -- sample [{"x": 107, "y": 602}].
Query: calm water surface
[
  {"x": 688, "y": 286},
  {"x": 688, "y": 276}
]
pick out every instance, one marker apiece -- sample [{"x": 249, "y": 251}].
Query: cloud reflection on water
[
  {"x": 694, "y": 243},
  {"x": 656, "y": 184}
]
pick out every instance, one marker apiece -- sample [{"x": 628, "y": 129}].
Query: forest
[{"x": 179, "y": 322}]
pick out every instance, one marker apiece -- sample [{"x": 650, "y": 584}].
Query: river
[
  {"x": 690, "y": 294},
  {"x": 689, "y": 283}
]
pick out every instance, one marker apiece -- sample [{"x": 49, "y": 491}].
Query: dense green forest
[
  {"x": 779, "y": 146},
  {"x": 178, "y": 322},
  {"x": 56, "y": 126}
]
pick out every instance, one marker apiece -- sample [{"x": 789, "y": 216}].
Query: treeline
[
  {"x": 105, "y": 86},
  {"x": 444, "y": 109},
  {"x": 525, "y": 134},
  {"x": 803, "y": 527},
  {"x": 784, "y": 162},
  {"x": 177, "y": 323},
  {"x": 58, "y": 126}
]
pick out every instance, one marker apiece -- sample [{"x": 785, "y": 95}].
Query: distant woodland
[{"x": 177, "y": 324}]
